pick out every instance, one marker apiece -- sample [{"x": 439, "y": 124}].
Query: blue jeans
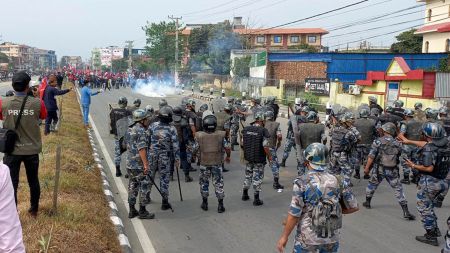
[{"x": 85, "y": 114}]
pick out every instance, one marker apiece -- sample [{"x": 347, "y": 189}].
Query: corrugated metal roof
[
  {"x": 282, "y": 31},
  {"x": 442, "y": 89},
  {"x": 354, "y": 66}
]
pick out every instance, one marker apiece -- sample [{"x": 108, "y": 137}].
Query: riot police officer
[
  {"x": 432, "y": 115},
  {"x": 255, "y": 143},
  {"x": 299, "y": 118},
  {"x": 271, "y": 103},
  {"x": 275, "y": 139},
  {"x": 445, "y": 120},
  {"x": 289, "y": 143},
  {"x": 164, "y": 144},
  {"x": 192, "y": 146},
  {"x": 180, "y": 123},
  {"x": 137, "y": 103},
  {"x": 398, "y": 108},
  {"x": 433, "y": 166},
  {"x": 368, "y": 132},
  {"x": 138, "y": 165},
  {"x": 256, "y": 105},
  {"x": 384, "y": 156},
  {"x": 118, "y": 122},
  {"x": 419, "y": 114},
  {"x": 389, "y": 116},
  {"x": 310, "y": 132},
  {"x": 235, "y": 119},
  {"x": 212, "y": 146},
  {"x": 373, "y": 104},
  {"x": 410, "y": 128},
  {"x": 343, "y": 141},
  {"x": 198, "y": 124}
]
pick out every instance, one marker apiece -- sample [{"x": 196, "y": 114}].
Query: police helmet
[
  {"x": 210, "y": 123},
  {"x": 9, "y": 93},
  {"x": 203, "y": 108},
  {"x": 177, "y": 110},
  {"x": 364, "y": 113},
  {"x": 389, "y": 109},
  {"x": 433, "y": 130},
  {"x": 269, "y": 114},
  {"x": 305, "y": 109},
  {"x": 227, "y": 107},
  {"x": 312, "y": 116},
  {"x": 316, "y": 154},
  {"x": 162, "y": 103},
  {"x": 191, "y": 102},
  {"x": 389, "y": 128},
  {"x": 398, "y": 104},
  {"x": 298, "y": 101},
  {"x": 123, "y": 102},
  {"x": 372, "y": 99},
  {"x": 431, "y": 113},
  {"x": 165, "y": 114},
  {"x": 418, "y": 105},
  {"x": 374, "y": 112},
  {"x": 256, "y": 100},
  {"x": 137, "y": 102},
  {"x": 139, "y": 115},
  {"x": 259, "y": 116},
  {"x": 346, "y": 117},
  {"x": 408, "y": 113},
  {"x": 270, "y": 100},
  {"x": 149, "y": 109},
  {"x": 443, "y": 110}
]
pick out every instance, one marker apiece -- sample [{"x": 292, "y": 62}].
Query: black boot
[
  {"x": 133, "y": 212},
  {"x": 144, "y": 214},
  {"x": 283, "y": 163},
  {"x": 415, "y": 179},
  {"x": 127, "y": 176},
  {"x": 437, "y": 202},
  {"x": 257, "y": 201},
  {"x": 204, "y": 205},
  {"x": 405, "y": 179},
  {"x": 118, "y": 172},
  {"x": 187, "y": 178},
  {"x": 428, "y": 238},
  {"x": 366, "y": 176},
  {"x": 406, "y": 214},
  {"x": 245, "y": 196},
  {"x": 367, "y": 203},
  {"x": 220, "y": 208},
  {"x": 357, "y": 175},
  {"x": 165, "y": 205},
  {"x": 276, "y": 184}
]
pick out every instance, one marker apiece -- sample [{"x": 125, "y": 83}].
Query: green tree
[
  {"x": 241, "y": 66},
  {"x": 4, "y": 58},
  {"x": 307, "y": 48},
  {"x": 120, "y": 65},
  {"x": 408, "y": 42},
  {"x": 161, "y": 44}
]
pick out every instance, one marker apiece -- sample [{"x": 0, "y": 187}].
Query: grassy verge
[{"x": 82, "y": 223}]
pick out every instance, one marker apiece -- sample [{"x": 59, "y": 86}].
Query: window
[
  {"x": 427, "y": 46},
  {"x": 295, "y": 39},
  {"x": 430, "y": 12},
  {"x": 312, "y": 39},
  {"x": 260, "y": 39},
  {"x": 277, "y": 39}
]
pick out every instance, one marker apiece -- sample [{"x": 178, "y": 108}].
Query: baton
[
  {"x": 179, "y": 185},
  {"x": 157, "y": 188}
]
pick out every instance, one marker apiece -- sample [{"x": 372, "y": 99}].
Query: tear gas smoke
[{"x": 154, "y": 88}]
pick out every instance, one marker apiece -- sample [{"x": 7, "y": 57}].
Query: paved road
[{"x": 244, "y": 228}]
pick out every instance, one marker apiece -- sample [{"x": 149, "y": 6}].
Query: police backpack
[{"x": 442, "y": 165}]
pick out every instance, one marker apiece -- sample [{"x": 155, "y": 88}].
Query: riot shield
[
  {"x": 122, "y": 126},
  {"x": 218, "y": 104}
]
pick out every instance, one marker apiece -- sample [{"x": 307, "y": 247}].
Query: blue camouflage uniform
[
  {"x": 429, "y": 187},
  {"x": 446, "y": 248},
  {"x": 137, "y": 139},
  {"x": 379, "y": 172},
  {"x": 234, "y": 128},
  {"x": 290, "y": 142},
  {"x": 341, "y": 153},
  {"x": 409, "y": 152},
  {"x": 254, "y": 172},
  {"x": 164, "y": 144},
  {"x": 274, "y": 164},
  {"x": 354, "y": 155},
  {"x": 307, "y": 192},
  {"x": 191, "y": 144}
]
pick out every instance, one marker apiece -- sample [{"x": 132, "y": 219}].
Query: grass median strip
[{"x": 82, "y": 223}]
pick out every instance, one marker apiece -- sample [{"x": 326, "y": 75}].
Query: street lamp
[{"x": 111, "y": 48}]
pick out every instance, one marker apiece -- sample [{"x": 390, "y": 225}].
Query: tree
[
  {"x": 407, "y": 43},
  {"x": 241, "y": 66},
  {"x": 161, "y": 44},
  {"x": 4, "y": 58},
  {"x": 305, "y": 47},
  {"x": 120, "y": 65},
  {"x": 211, "y": 45}
]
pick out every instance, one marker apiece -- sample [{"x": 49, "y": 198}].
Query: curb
[{"x": 114, "y": 214}]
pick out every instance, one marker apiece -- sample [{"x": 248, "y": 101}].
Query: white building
[
  {"x": 107, "y": 53},
  {"x": 436, "y": 30}
]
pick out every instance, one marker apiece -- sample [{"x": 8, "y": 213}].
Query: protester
[
  {"x": 50, "y": 103},
  {"x": 86, "y": 94},
  {"x": 29, "y": 143},
  {"x": 11, "y": 230}
]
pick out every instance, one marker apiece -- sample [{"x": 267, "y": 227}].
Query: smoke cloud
[{"x": 154, "y": 88}]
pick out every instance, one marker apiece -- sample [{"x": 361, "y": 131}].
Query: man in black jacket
[{"x": 50, "y": 103}]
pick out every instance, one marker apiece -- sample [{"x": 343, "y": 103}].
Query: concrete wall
[
  {"x": 437, "y": 42},
  {"x": 258, "y": 72},
  {"x": 296, "y": 71}
]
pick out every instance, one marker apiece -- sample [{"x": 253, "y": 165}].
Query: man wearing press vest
[{"x": 28, "y": 144}]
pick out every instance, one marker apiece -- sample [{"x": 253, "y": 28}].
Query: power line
[
  {"x": 211, "y": 8},
  {"x": 245, "y": 4}
]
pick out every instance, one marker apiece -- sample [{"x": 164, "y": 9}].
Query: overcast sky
[{"x": 74, "y": 27}]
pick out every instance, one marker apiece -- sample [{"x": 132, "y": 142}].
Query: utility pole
[
  {"x": 130, "y": 59},
  {"x": 177, "y": 25}
]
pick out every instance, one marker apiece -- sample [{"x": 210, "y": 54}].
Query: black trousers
[
  {"x": 52, "y": 116},
  {"x": 31, "y": 163}
]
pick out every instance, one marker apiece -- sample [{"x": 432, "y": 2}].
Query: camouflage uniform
[
  {"x": 354, "y": 152},
  {"x": 303, "y": 201},
  {"x": 379, "y": 172},
  {"x": 340, "y": 159},
  {"x": 290, "y": 142},
  {"x": 191, "y": 145},
  {"x": 117, "y": 153},
  {"x": 409, "y": 152},
  {"x": 429, "y": 187},
  {"x": 217, "y": 176},
  {"x": 274, "y": 164},
  {"x": 446, "y": 248},
  {"x": 139, "y": 183},
  {"x": 254, "y": 172},
  {"x": 163, "y": 144}
]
